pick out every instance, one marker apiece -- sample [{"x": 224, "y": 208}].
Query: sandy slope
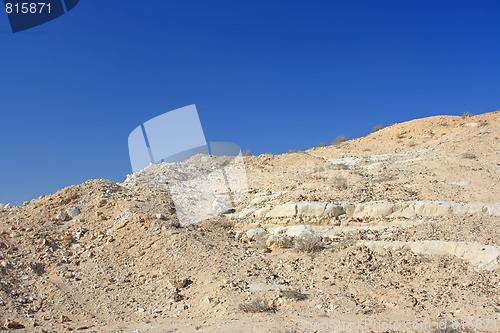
[{"x": 124, "y": 264}]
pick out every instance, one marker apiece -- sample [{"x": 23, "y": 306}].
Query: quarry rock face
[{"x": 379, "y": 209}]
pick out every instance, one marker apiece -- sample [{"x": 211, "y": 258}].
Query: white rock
[
  {"x": 219, "y": 206},
  {"x": 348, "y": 208},
  {"x": 458, "y": 208},
  {"x": 334, "y": 210},
  {"x": 73, "y": 211},
  {"x": 373, "y": 209},
  {"x": 125, "y": 215},
  {"x": 253, "y": 234},
  {"x": 493, "y": 208},
  {"x": 278, "y": 230},
  {"x": 312, "y": 209},
  {"x": 404, "y": 209},
  {"x": 475, "y": 208},
  {"x": 260, "y": 213},
  {"x": 245, "y": 212},
  {"x": 62, "y": 217},
  {"x": 278, "y": 241},
  {"x": 482, "y": 256},
  {"x": 285, "y": 210},
  {"x": 433, "y": 208},
  {"x": 299, "y": 231}
]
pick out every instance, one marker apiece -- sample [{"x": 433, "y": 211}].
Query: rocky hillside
[{"x": 401, "y": 225}]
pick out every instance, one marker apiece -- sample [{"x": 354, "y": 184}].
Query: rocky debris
[{"x": 256, "y": 287}]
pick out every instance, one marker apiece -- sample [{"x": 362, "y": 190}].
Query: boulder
[
  {"x": 253, "y": 234},
  {"x": 299, "y": 231},
  {"x": 278, "y": 241},
  {"x": 73, "y": 211}
]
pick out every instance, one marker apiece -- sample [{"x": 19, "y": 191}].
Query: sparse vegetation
[
  {"x": 469, "y": 156},
  {"x": 340, "y": 183},
  {"x": 467, "y": 114},
  {"x": 256, "y": 306},
  {"x": 401, "y": 136},
  {"x": 290, "y": 151},
  {"x": 321, "y": 144},
  {"x": 260, "y": 242},
  {"x": 411, "y": 144},
  {"x": 247, "y": 152},
  {"x": 338, "y": 140},
  {"x": 377, "y": 128},
  {"x": 308, "y": 244},
  {"x": 340, "y": 166},
  {"x": 384, "y": 178},
  {"x": 294, "y": 294}
]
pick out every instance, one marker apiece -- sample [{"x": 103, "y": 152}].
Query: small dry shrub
[
  {"x": 308, "y": 244},
  {"x": 260, "y": 242},
  {"x": 467, "y": 114},
  {"x": 321, "y": 144},
  {"x": 377, "y": 128},
  {"x": 340, "y": 183},
  {"x": 246, "y": 153},
  {"x": 338, "y": 140},
  {"x": 340, "y": 166},
  {"x": 256, "y": 306},
  {"x": 469, "y": 156},
  {"x": 293, "y": 294}
]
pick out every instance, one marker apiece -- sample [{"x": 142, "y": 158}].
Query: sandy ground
[{"x": 121, "y": 262}]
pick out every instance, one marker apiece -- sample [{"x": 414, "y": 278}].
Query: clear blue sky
[{"x": 267, "y": 75}]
